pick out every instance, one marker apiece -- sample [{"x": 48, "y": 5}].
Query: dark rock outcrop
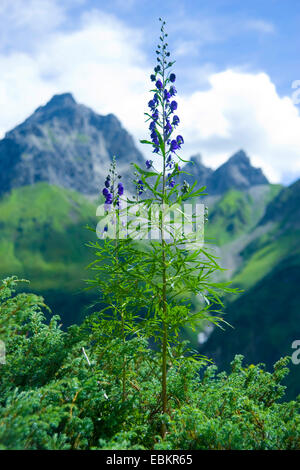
[
  {"x": 66, "y": 144},
  {"x": 237, "y": 173}
]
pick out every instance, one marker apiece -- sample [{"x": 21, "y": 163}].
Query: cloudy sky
[{"x": 236, "y": 65}]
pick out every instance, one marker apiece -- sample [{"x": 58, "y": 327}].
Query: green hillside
[
  {"x": 237, "y": 212},
  {"x": 266, "y": 316},
  {"x": 278, "y": 238},
  {"x": 265, "y": 322},
  {"x": 42, "y": 238}
]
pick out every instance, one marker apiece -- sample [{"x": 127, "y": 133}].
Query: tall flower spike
[
  {"x": 113, "y": 188},
  {"x": 163, "y": 121}
]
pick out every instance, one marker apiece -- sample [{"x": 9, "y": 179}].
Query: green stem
[
  {"x": 164, "y": 289},
  {"x": 124, "y": 360},
  {"x": 117, "y": 221}
]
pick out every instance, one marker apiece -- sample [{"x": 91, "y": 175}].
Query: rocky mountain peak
[
  {"x": 236, "y": 173},
  {"x": 61, "y": 100},
  {"x": 239, "y": 157},
  {"x": 66, "y": 144}
]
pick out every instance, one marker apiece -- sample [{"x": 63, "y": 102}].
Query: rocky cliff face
[
  {"x": 236, "y": 173},
  {"x": 66, "y": 144},
  {"x": 69, "y": 145}
]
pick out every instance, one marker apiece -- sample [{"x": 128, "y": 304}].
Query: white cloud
[
  {"x": 103, "y": 63},
  {"x": 243, "y": 110},
  {"x": 260, "y": 26},
  {"x": 25, "y": 22}
]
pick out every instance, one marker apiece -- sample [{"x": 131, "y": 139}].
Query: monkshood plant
[
  {"x": 121, "y": 298},
  {"x": 176, "y": 265},
  {"x": 161, "y": 261}
]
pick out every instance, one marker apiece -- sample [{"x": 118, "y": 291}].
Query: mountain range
[
  {"x": 52, "y": 168},
  {"x": 68, "y": 145},
  {"x": 65, "y": 144}
]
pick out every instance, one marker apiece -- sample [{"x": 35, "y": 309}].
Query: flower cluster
[
  {"x": 113, "y": 188},
  {"x": 163, "y": 120}
]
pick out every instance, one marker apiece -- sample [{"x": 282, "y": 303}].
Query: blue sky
[{"x": 235, "y": 62}]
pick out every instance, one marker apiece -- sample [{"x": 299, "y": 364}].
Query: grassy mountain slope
[
  {"x": 279, "y": 241},
  {"x": 266, "y": 316},
  {"x": 266, "y": 322},
  {"x": 237, "y": 212},
  {"x": 42, "y": 238}
]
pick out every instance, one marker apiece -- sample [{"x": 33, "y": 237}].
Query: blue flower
[
  {"x": 152, "y": 105},
  {"x": 152, "y": 77},
  {"x": 153, "y": 135},
  {"x": 172, "y": 91},
  {"x": 173, "y": 106},
  {"x": 174, "y": 145},
  {"x": 152, "y": 126},
  {"x": 149, "y": 164},
  {"x": 170, "y": 162},
  {"x": 175, "y": 121},
  {"x": 105, "y": 192},
  {"x": 179, "y": 140},
  {"x": 168, "y": 128},
  {"x": 120, "y": 189},
  {"x": 109, "y": 198},
  {"x": 140, "y": 187},
  {"x": 167, "y": 95},
  {"x": 172, "y": 77},
  {"x": 171, "y": 181},
  {"x": 159, "y": 84},
  {"x": 155, "y": 115}
]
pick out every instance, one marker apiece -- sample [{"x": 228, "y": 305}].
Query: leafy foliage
[{"x": 53, "y": 398}]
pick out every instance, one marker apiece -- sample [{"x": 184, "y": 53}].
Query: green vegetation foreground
[{"x": 53, "y": 396}]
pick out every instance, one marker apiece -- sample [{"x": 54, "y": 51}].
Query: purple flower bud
[
  {"x": 175, "y": 121},
  {"x": 172, "y": 77},
  {"x": 172, "y": 91},
  {"x": 155, "y": 115},
  {"x": 174, "y": 146},
  {"x": 173, "y": 106},
  {"x": 152, "y": 77},
  {"x": 152, "y": 126},
  {"x": 140, "y": 187},
  {"x": 159, "y": 84},
  {"x": 109, "y": 198},
  {"x": 105, "y": 192},
  {"x": 166, "y": 95},
  {"x": 120, "y": 189},
  {"x": 152, "y": 104},
  {"x": 179, "y": 140},
  {"x": 168, "y": 128},
  {"x": 149, "y": 164}
]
